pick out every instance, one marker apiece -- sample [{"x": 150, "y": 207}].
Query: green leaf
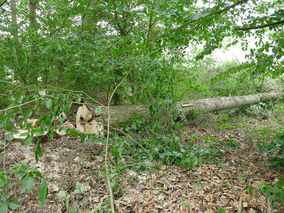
[
  {"x": 75, "y": 210},
  {"x": 42, "y": 193},
  {"x": 9, "y": 127},
  {"x": 4, "y": 197},
  {"x": 48, "y": 103},
  {"x": 9, "y": 136},
  {"x": 24, "y": 134},
  {"x": 80, "y": 188},
  {"x": 42, "y": 93},
  {"x": 279, "y": 184},
  {"x": 62, "y": 194},
  {"x": 37, "y": 108},
  {"x": 78, "y": 99},
  {"x": 67, "y": 203},
  {"x": 38, "y": 174},
  {"x": 83, "y": 137},
  {"x": 28, "y": 141},
  {"x": 3, "y": 121},
  {"x": 3, "y": 207},
  {"x": 241, "y": 177},
  {"x": 13, "y": 204},
  {"x": 272, "y": 198},
  {"x": 249, "y": 188},
  {"x": 220, "y": 209},
  {"x": 28, "y": 183},
  {"x": 37, "y": 132},
  {"x": 225, "y": 186},
  {"x": 37, "y": 151},
  {"x": 67, "y": 107},
  {"x": 3, "y": 180},
  {"x": 73, "y": 133},
  {"x": 98, "y": 111},
  {"x": 28, "y": 113}
]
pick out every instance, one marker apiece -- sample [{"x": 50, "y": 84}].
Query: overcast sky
[{"x": 233, "y": 53}]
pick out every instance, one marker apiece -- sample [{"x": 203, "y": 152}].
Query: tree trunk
[
  {"x": 215, "y": 104},
  {"x": 18, "y": 68},
  {"x": 14, "y": 19},
  {"x": 120, "y": 114},
  {"x": 33, "y": 73}
]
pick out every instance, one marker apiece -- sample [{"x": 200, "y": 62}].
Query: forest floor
[{"x": 229, "y": 183}]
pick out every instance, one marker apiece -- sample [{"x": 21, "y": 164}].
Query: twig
[
  {"x": 5, "y": 147},
  {"x": 207, "y": 16},
  {"x": 56, "y": 89},
  {"x": 188, "y": 199},
  {"x": 16, "y": 85},
  {"x": 75, "y": 91},
  {"x": 260, "y": 26},
  {"x": 107, "y": 142},
  {"x": 28, "y": 102},
  {"x": 4, "y": 158}
]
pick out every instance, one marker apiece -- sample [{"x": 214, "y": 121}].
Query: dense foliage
[{"x": 91, "y": 45}]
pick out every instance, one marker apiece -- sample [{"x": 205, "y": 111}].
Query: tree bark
[
  {"x": 120, "y": 114},
  {"x": 14, "y": 19},
  {"x": 19, "y": 70},
  {"x": 33, "y": 24}
]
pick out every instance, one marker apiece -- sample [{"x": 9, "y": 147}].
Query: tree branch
[
  {"x": 84, "y": 15},
  {"x": 121, "y": 29},
  {"x": 150, "y": 21},
  {"x": 229, "y": 7},
  {"x": 260, "y": 26},
  {"x": 3, "y": 3},
  {"x": 209, "y": 15},
  {"x": 106, "y": 145},
  {"x": 28, "y": 102}
]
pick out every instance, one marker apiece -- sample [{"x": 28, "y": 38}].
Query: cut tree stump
[{"x": 86, "y": 121}]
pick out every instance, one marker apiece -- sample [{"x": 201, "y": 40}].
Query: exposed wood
[
  {"x": 186, "y": 105},
  {"x": 21, "y": 135},
  {"x": 86, "y": 122},
  {"x": 120, "y": 114}
]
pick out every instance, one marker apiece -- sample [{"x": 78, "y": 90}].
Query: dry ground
[{"x": 67, "y": 161}]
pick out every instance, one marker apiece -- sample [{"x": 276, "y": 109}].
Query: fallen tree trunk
[
  {"x": 215, "y": 104},
  {"x": 120, "y": 114}
]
